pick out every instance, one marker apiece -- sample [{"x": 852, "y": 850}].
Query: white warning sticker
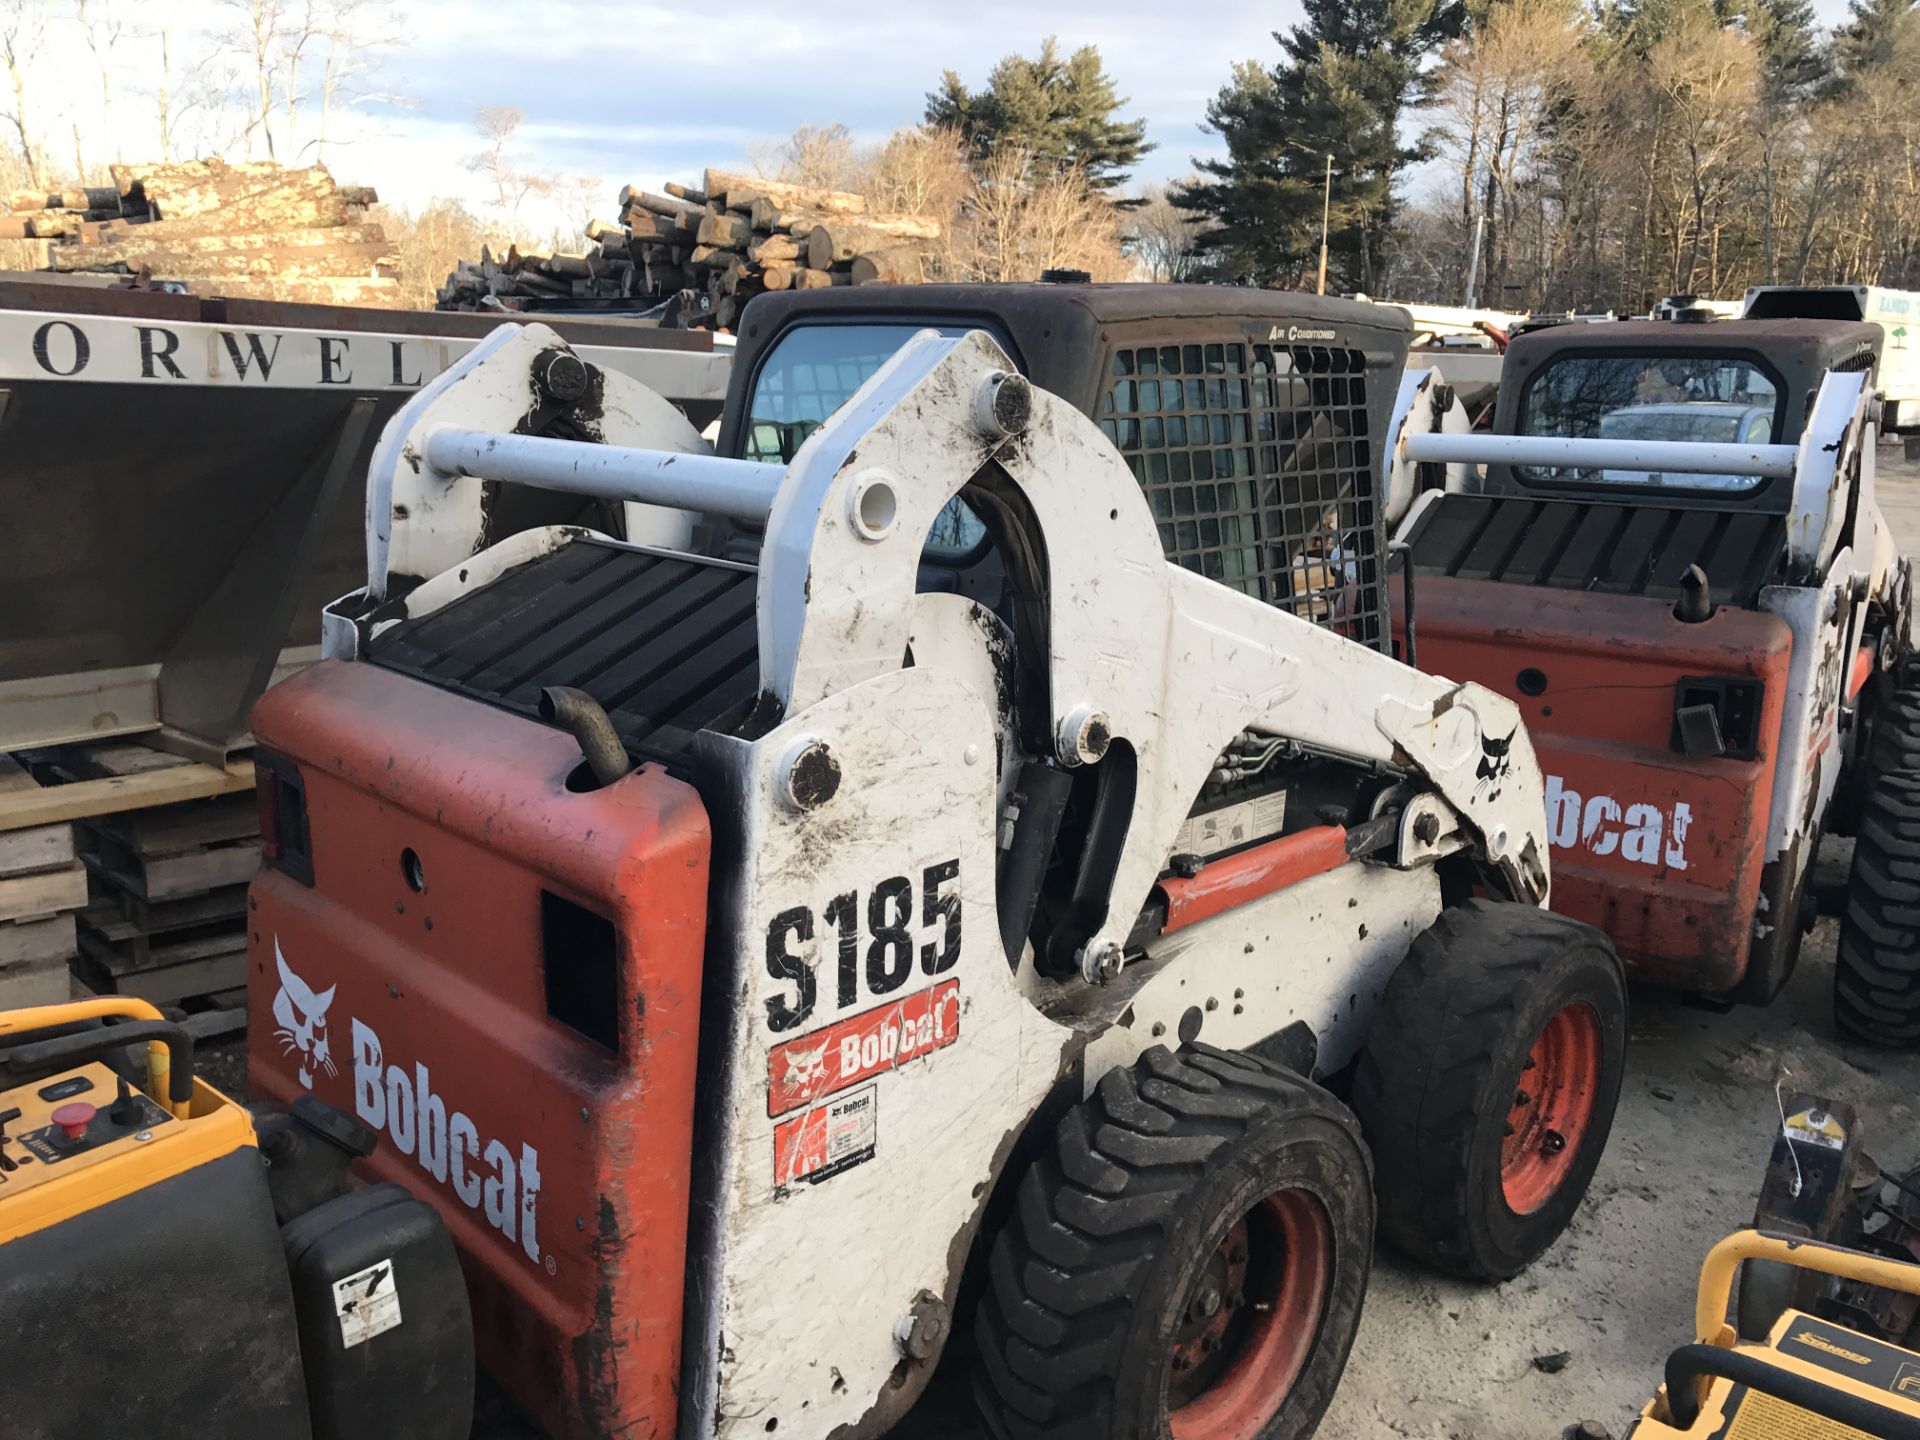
[
  {"x": 367, "y": 1302},
  {"x": 1816, "y": 1127}
]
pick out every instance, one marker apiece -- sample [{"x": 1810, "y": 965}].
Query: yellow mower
[{"x": 1809, "y": 1379}]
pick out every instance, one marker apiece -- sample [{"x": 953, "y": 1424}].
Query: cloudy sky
[{"x": 643, "y": 92}]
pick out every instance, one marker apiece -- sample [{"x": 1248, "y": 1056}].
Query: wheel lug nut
[
  {"x": 1522, "y": 1098},
  {"x": 1553, "y": 1142},
  {"x": 1180, "y": 1362},
  {"x": 1509, "y": 1130}
]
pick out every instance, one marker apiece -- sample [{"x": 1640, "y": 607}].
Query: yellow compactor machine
[
  {"x": 176, "y": 1265},
  {"x": 1808, "y": 1379}
]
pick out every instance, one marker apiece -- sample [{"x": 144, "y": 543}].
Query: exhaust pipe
[{"x": 582, "y": 717}]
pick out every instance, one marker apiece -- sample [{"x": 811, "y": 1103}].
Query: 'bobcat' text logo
[
  {"x": 1644, "y": 834},
  {"x": 300, "y": 1019}
]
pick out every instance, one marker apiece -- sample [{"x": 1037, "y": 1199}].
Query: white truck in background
[{"x": 1894, "y": 311}]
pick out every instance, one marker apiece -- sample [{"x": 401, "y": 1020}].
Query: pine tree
[
  {"x": 1348, "y": 75},
  {"x": 1059, "y": 111},
  {"x": 1867, "y": 40}
]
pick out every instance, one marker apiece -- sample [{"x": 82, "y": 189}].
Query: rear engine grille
[
  {"x": 1617, "y": 549},
  {"x": 666, "y": 643}
]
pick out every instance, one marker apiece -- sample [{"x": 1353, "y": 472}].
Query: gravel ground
[{"x": 1440, "y": 1360}]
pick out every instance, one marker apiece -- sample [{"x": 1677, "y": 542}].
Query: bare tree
[
  {"x": 820, "y": 156},
  {"x": 1019, "y": 223},
  {"x": 354, "y": 36},
  {"x": 103, "y": 28},
  {"x": 257, "y": 29},
  {"x": 577, "y": 198},
  {"x": 500, "y": 165},
  {"x": 1159, "y": 235},
  {"x": 922, "y": 171},
  {"x": 178, "y": 94},
  {"x": 23, "y": 31},
  {"x": 428, "y": 244}
]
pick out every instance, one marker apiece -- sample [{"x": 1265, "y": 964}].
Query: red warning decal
[
  {"x": 851, "y": 1050},
  {"x": 827, "y": 1139}
]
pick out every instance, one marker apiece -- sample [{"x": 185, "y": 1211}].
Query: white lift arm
[{"x": 1141, "y": 651}]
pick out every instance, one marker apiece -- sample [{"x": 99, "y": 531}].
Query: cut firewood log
[
  {"x": 901, "y": 265},
  {"x": 632, "y": 198},
  {"x": 760, "y": 212},
  {"x": 729, "y": 230},
  {"x": 894, "y": 227},
  {"x": 835, "y": 243},
  {"x": 740, "y": 190},
  {"x": 771, "y": 248},
  {"x": 811, "y": 280},
  {"x": 686, "y": 192},
  {"x": 777, "y": 276}
]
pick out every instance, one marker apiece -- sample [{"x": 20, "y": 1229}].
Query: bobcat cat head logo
[
  {"x": 300, "y": 1019},
  {"x": 804, "y": 1067},
  {"x": 1495, "y": 761}
]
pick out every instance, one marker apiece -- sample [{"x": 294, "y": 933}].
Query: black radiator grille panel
[
  {"x": 666, "y": 643},
  {"x": 1257, "y": 464},
  {"x": 1616, "y": 549}
]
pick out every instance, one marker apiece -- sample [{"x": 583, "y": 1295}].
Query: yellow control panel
[
  {"x": 83, "y": 1138},
  {"x": 71, "y": 1122}
]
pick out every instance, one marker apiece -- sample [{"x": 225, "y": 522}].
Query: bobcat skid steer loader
[
  {"x": 1671, "y": 557},
  {"x": 773, "y": 969}
]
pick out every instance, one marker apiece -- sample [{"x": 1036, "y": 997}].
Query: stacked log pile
[
  {"x": 715, "y": 247},
  {"x": 256, "y": 231}
]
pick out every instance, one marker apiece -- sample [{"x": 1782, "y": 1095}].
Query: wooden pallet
[
  {"x": 171, "y": 876},
  {"x": 163, "y": 969},
  {"x": 41, "y": 884},
  {"x": 98, "y": 780},
  {"x": 222, "y": 1013}
]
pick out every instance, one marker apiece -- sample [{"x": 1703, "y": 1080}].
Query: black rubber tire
[
  {"x": 1876, "y": 971},
  {"x": 1890, "y": 711},
  {"x": 1443, "y": 1061},
  {"x": 1116, "y": 1219},
  {"x": 1894, "y": 743}
]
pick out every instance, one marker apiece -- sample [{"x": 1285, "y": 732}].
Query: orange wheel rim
[
  {"x": 1551, "y": 1109},
  {"x": 1250, "y": 1321}
]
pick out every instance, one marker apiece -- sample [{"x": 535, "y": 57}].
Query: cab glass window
[
  {"x": 1700, "y": 398},
  {"x": 811, "y": 372}
]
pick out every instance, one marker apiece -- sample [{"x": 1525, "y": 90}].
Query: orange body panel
[
  {"x": 1661, "y": 852},
  {"x": 563, "y": 1168}
]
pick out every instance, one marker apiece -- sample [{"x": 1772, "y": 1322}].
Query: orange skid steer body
[
  {"x": 556, "y": 1152},
  {"x": 1664, "y": 853}
]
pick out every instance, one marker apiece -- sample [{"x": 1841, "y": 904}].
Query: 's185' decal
[{"x": 885, "y": 961}]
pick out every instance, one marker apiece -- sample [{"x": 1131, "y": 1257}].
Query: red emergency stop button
[{"x": 73, "y": 1118}]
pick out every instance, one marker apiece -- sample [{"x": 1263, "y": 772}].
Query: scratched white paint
[
  {"x": 420, "y": 522},
  {"x": 796, "y": 1319},
  {"x": 1416, "y": 411},
  {"x": 1320, "y": 952}
]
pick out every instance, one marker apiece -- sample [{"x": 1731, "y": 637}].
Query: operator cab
[
  {"x": 1252, "y": 419},
  {"x": 1746, "y": 382}
]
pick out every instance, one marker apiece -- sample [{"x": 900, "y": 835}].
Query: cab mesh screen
[{"x": 1256, "y": 462}]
